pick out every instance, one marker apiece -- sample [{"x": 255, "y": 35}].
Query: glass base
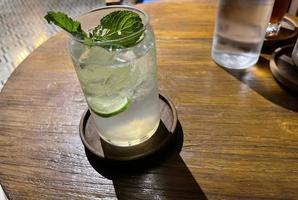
[
  {"x": 272, "y": 29},
  {"x": 131, "y": 143},
  {"x": 237, "y": 61}
]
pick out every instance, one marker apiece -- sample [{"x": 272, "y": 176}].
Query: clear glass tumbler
[
  {"x": 119, "y": 84},
  {"x": 239, "y": 32}
]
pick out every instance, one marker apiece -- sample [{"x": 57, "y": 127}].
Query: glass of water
[
  {"x": 239, "y": 32},
  {"x": 119, "y": 84}
]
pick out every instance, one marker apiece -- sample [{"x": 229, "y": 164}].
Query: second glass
[
  {"x": 240, "y": 31},
  {"x": 123, "y": 81}
]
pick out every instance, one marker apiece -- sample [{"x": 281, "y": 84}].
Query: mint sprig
[
  {"x": 66, "y": 23},
  {"x": 124, "y": 27},
  {"x": 119, "y": 29}
]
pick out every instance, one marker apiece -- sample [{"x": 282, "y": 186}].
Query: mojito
[{"x": 119, "y": 82}]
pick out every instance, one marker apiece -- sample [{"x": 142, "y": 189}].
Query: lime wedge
[{"x": 108, "y": 106}]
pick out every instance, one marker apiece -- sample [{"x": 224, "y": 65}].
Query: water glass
[{"x": 239, "y": 32}]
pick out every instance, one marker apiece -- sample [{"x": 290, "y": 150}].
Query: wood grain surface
[{"x": 239, "y": 131}]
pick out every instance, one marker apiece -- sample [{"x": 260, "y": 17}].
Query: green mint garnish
[
  {"x": 66, "y": 23},
  {"x": 119, "y": 29},
  {"x": 125, "y": 27}
]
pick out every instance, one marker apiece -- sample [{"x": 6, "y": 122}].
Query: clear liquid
[
  {"x": 234, "y": 54},
  {"x": 139, "y": 122},
  {"x": 129, "y": 73},
  {"x": 240, "y": 32},
  {"x": 133, "y": 126}
]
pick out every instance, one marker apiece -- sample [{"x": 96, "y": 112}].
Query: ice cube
[
  {"x": 96, "y": 55},
  {"x": 125, "y": 56}
]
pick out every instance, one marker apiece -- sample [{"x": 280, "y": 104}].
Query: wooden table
[{"x": 240, "y": 130}]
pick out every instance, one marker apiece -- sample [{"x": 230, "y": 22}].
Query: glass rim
[{"x": 137, "y": 10}]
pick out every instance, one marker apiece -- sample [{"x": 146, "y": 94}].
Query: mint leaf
[
  {"x": 66, "y": 23},
  {"x": 124, "y": 26},
  {"x": 117, "y": 30}
]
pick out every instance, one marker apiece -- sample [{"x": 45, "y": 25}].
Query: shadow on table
[
  {"x": 163, "y": 175},
  {"x": 260, "y": 79}
]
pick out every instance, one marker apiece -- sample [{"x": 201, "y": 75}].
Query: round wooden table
[{"x": 240, "y": 129}]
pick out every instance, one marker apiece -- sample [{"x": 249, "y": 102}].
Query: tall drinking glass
[
  {"x": 119, "y": 84},
  {"x": 240, "y": 31}
]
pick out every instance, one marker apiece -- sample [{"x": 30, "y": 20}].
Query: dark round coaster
[
  {"x": 283, "y": 68},
  {"x": 287, "y": 35},
  {"x": 105, "y": 150}
]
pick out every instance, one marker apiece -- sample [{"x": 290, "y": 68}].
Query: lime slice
[{"x": 108, "y": 106}]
